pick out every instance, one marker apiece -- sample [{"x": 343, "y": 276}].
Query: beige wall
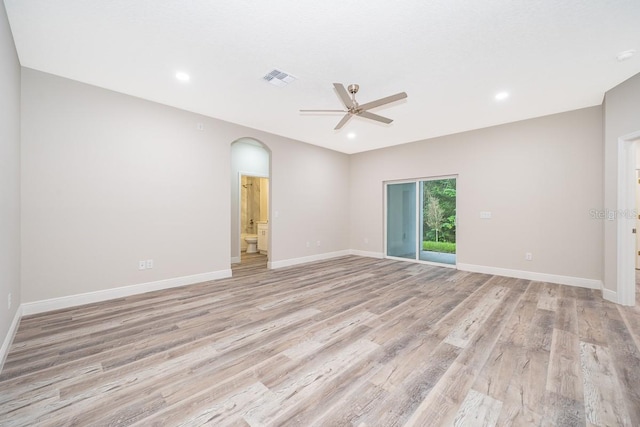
[
  {"x": 309, "y": 200},
  {"x": 9, "y": 177},
  {"x": 540, "y": 178},
  {"x": 621, "y": 110},
  {"x": 109, "y": 179}
]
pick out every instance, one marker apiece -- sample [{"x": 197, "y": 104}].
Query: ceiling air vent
[{"x": 279, "y": 78}]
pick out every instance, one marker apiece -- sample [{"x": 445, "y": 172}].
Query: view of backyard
[{"x": 439, "y": 216}]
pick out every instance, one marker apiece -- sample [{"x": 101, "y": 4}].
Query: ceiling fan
[{"x": 355, "y": 109}]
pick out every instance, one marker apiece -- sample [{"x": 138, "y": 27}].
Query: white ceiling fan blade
[
  {"x": 344, "y": 95},
  {"x": 343, "y": 122},
  {"x": 375, "y": 117},
  {"x": 385, "y": 100}
]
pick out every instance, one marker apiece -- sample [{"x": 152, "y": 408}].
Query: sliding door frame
[{"x": 419, "y": 201}]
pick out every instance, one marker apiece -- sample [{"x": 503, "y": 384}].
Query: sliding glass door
[{"x": 421, "y": 220}]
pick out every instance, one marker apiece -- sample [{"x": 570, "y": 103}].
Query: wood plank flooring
[
  {"x": 250, "y": 264},
  {"x": 350, "y": 341}
]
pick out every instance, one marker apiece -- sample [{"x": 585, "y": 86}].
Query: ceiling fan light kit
[{"x": 348, "y": 98}]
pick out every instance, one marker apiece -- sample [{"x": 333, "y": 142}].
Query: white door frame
[{"x": 626, "y": 219}]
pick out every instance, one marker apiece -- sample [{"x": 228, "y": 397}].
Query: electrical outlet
[
  {"x": 528, "y": 256},
  {"x": 149, "y": 264},
  {"x": 318, "y": 243},
  {"x": 308, "y": 244},
  {"x": 142, "y": 265},
  {"x": 366, "y": 241},
  {"x": 9, "y": 301}
]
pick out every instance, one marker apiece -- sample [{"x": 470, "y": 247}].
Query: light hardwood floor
[
  {"x": 348, "y": 341},
  {"x": 250, "y": 264}
]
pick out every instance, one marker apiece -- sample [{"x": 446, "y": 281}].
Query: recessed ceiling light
[
  {"x": 183, "y": 77},
  {"x": 501, "y": 96},
  {"x": 351, "y": 135},
  {"x": 625, "y": 55}
]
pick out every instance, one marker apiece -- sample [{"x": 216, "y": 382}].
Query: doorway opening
[
  {"x": 627, "y": 216},
  {"x": 250, "y": 206},
  {"x": 420, "y": 220},
  {"x": 254, "y": 219}
]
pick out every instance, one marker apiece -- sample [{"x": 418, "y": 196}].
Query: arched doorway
[{"x": 250, "y": 203}]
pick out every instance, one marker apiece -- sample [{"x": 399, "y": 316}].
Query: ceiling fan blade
[
  {"x": 368, "y": 115},
  {"x": 344, "y": 95},
  {"x": 343, "y": 122},
  {"x": 322, "y": 111},
  {"x": 385, "y": 100}
]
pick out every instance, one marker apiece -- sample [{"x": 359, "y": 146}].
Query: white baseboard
[
  {"x": 124, "y": 291},
  {"x": 531, "y": 275},
  {"x": 306, "y": 259},
  {"x": 366, "y": 253},
  {"x": 11, "y": 333},
  {"x": 610, "y": 295}
]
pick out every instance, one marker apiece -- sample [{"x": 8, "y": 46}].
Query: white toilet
[{"x": 252, "y": 243}]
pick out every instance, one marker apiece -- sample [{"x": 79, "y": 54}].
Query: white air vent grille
[{"x": 279, "y": 78}]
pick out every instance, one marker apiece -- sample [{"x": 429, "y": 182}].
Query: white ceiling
[{"x": 450, "y": 56}]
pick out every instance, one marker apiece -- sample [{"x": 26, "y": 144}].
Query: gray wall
[
  {"x": 110, "y": 179},
  {"x": 309, "y": 199},
  {"x": 621, "y": 117},
  {"x": 9, "y": 176},
  {"x": 540, "y": 178}
]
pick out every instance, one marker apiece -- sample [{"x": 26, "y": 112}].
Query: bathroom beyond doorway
[{"x": 254, "y": 215}]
